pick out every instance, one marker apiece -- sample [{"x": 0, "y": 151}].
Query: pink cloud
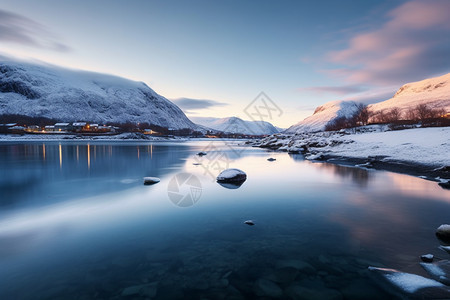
[{"x": 413, "y": 44}]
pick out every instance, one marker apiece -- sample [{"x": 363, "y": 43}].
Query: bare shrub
[{"x": 362, "y": 114}]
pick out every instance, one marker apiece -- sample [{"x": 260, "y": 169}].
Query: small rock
[
  {"x": 232, "y": 176},
  {"x": 201, "y": 153},
  {"x": 249, "y": 222},
  {"x": 271, "y": 159},
  {"x": 443, "y": 232},
  {"x": 151, "y": 180},
  {"x": 445, "y": 248},
  {"x": 445, "y": 185},
  {"x": 427, "y": 258}
]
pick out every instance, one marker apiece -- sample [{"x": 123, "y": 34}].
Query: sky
[{"x": 214, "y": 58}]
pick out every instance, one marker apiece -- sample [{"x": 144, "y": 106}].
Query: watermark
[
  {"x": 214, "y": 161},
  {"x": 261, "y": 109},
  {"x": 184, "y": 189}
]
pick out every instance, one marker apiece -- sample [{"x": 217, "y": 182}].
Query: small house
[
  {"x": 79, "y": 126},
  {"x": 63, "y": 127}
]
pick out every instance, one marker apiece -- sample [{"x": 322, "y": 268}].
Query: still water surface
[{"x": 76, "y": 222}]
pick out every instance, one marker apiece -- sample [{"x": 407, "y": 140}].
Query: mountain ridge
[{"x": 43, "y": 90}]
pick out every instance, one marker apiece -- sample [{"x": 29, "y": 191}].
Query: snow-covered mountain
[
  {"x": 34, "y": 89},
  {"x": 323, "y": 115},
  {"x": 434, "y": 92},
  {"x": 236, "y": 125}
]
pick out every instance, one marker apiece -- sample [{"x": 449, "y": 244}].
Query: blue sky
[{"x": 224, "y": 53}]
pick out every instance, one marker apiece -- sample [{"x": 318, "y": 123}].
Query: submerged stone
[
  {"x": 249, "y": 222},
  {"x": 271, "y": 159},
  {"x": 264, "y": 287},
  {"x": 201, "y": 153}
]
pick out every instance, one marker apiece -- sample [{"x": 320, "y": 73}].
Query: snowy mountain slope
[
  {"x": 434, "y": 92},
  {"x": 68, "y": 95},
  {"x": 324, "y": 115},
  {"x": 237, "y": 125}
]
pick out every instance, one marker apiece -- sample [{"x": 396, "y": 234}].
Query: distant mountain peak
[{"x": 236, "y": 125}]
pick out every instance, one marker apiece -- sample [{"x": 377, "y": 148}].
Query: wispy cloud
[
  {"x": 190, "y": 104},
  {"x": 18, "y": 29},
  {"x": 337, "y": 90},
  {"x": 412, "y": 44}
]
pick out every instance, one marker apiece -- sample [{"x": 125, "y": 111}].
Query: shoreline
[
  {"x": 420, "y": 152},
  {"x": 426, "y": 172}
]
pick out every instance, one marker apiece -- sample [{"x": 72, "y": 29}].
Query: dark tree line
[{"x": 422, "y": 113}]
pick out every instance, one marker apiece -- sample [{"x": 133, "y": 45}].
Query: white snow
[
  {"x": 323, "y": 115},
  {"x": 410, "y": 283},
  {"x": 433, "y": 269},
  {"x": 236, "y": 125},
  {"x": 434, "y": 92},
  {"x": 230, "y": 174},
  {"x": 428, "y": 146},
  {"x": 68, "y": 95}
]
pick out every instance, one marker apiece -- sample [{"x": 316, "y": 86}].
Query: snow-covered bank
[{"x": 427, "y": 148}]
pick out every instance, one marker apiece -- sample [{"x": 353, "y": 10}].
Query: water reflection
[
  {"x": 53, "y": 172},
  {"x": 84, "y": 225},
  {"x": 359, "y": 176}
]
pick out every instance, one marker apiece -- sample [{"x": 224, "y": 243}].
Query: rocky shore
[{"x": 421, "y": 152}]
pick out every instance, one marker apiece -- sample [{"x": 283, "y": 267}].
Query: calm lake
[{"x": 76, "y": 222}]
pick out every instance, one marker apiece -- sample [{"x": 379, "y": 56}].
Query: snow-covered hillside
[
  {"x": 237, "y": 125},
  {"x": 69, "y": 95},
  {"x": 434, "y": 92},
  {"x": 324, "y": 115}
]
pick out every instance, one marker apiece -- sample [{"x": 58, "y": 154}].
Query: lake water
[{"x": 76, "y": 222}]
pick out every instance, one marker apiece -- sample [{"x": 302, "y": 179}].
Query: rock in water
[
  {"x": 271, "y": 159},
  {"x": 439, "y": 271},
  {"x": 445, "y": 248},
  {"x": 410, "y": 285},
  {"x": 443, "y": 233},
  {"x": 232, "y": 176},
  {"x": 201, "y": 153},
  {"x": 249, "y": 222},
  {"x": 427, "y": 258},
  {"x": 151, "y": 180}
]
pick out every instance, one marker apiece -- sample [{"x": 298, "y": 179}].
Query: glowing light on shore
[{"x": 60, "y": 156}]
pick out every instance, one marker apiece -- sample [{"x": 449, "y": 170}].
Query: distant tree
[
  {"x": 423, "y": 112},
  {"x": 362, "y": 114},
  {"x": 393, "y": 115},
  {"x": 411, "y": 114}
]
